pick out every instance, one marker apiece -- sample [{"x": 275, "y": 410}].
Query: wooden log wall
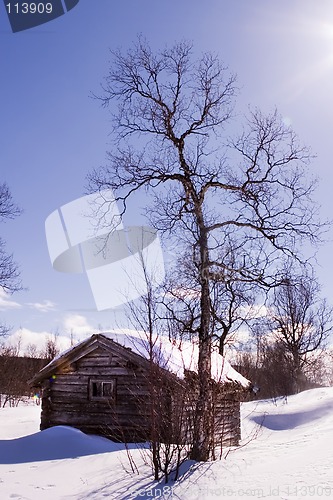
[
  {"x": 225, "y": 416},
  {"x": 66, "y": 399},
  {"x": 139, "y": 399}
]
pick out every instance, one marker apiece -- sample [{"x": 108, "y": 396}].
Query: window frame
[{"x": 101, "y": 397}]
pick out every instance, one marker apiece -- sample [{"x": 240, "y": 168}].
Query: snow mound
[
  {"x": 313, "y": 408},
  {"x": 56, "y": 443}
]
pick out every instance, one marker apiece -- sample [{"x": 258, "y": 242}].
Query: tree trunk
[
  {"x": 297, "y": 373},
  {"x": 203, "y": 428},
  {"x": 202, "y": 432}
]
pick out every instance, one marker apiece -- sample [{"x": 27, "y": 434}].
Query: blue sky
[{"x": 52, "y": 133}]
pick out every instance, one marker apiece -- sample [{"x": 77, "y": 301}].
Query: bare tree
[
  {"x": 9, "y": 274},
  {"x": 251, "y": 192},
  {"x": 51, "y": 348},
  {"x": 301, "y": 322}
]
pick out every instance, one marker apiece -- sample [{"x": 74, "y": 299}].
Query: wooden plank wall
[
  {"x": 66, "y": 399},
  {"x": 225, "y": 418}
]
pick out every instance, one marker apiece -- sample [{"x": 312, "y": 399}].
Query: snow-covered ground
[{"x": 286, "y": 453}]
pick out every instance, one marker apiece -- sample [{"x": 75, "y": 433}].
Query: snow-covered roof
[{"x": 177, "y": 358}]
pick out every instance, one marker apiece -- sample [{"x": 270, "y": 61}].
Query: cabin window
[{"x": 101, "y": 389}]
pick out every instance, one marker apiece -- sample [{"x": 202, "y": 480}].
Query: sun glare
[{"x": 326, "y": 30}]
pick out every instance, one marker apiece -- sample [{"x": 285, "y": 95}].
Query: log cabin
[{"x": 127, "y": 389}]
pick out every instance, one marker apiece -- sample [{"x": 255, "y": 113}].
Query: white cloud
[
  {"x": 75, "y": 328},
  {"x": 24, "y": 338},
  {"x": 78, "y": 325},
  {"x": 6, "y": 302},
  {"x": 255, "y": 311},
  {"x": 45, "y": 306}
]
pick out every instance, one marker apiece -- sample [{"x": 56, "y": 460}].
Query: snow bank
[
  {"x": 56, "y": 443},
  {"x": 290, "y": 459},
  {"x": 312, "y": 407}
]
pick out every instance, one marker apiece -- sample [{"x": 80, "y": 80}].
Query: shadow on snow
[{"x": 285, "y": 421}]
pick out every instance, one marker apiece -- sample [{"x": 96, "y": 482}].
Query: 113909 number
[{"x": 29, "y": 8}]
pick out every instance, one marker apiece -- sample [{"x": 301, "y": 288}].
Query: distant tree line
[
  {"x": 289, "y": 344},
  {"x": 16, "y": 370}
]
